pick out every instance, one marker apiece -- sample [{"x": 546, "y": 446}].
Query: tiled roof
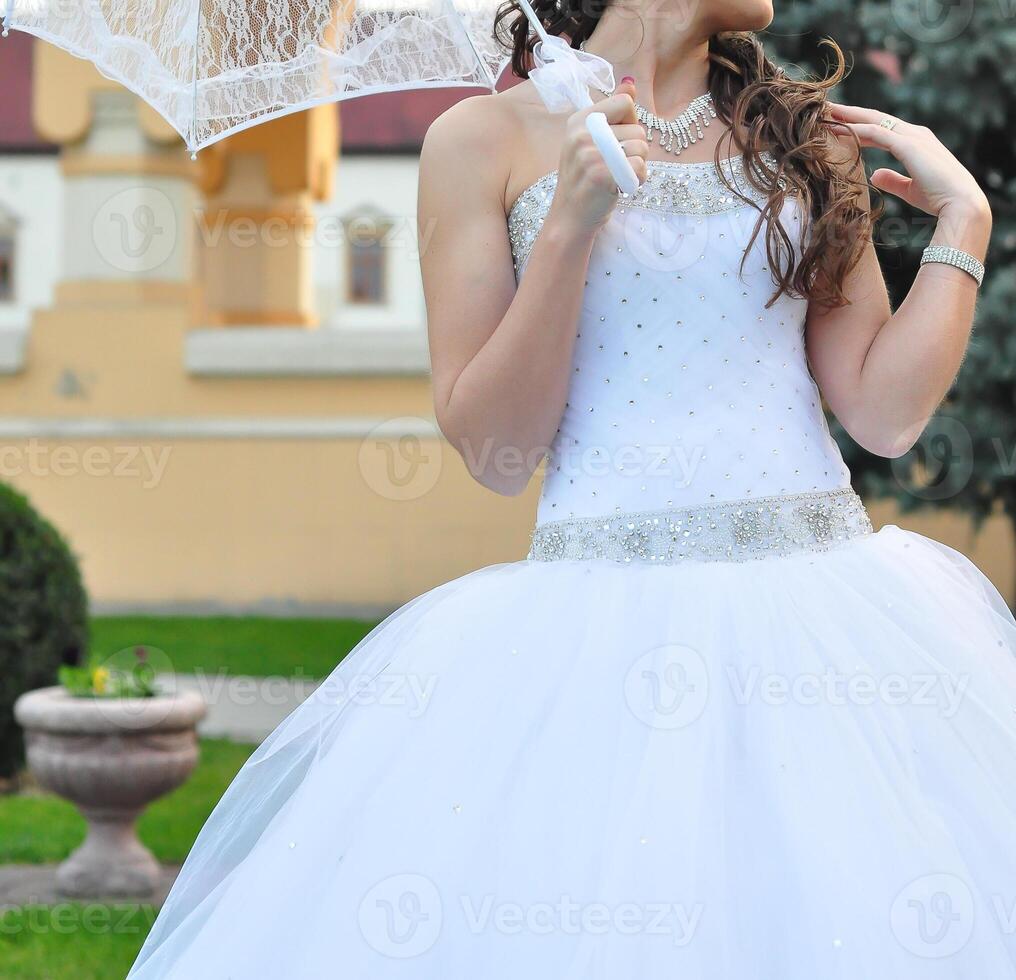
[{"x": 17, "y": 134}]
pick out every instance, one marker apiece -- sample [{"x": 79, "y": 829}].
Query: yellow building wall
[
  {"x": 346, "y": 523},
  {"x": 274, "y": 525},
  {"x": 359, "y": 521}
]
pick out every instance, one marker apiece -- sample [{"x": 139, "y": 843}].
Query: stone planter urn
[{"x": 111, "y": 757}]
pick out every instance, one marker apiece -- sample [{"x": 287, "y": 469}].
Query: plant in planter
[
  {"x": 111, "y": 740},
  {"x": 128, "y": 674}
]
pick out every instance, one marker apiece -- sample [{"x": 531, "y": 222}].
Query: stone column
[
  {"x": 129, "y": 188},
  {"x": 257, "y": 227}
]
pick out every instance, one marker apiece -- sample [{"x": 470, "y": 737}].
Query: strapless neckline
[
  {"x": 733, "y": 164},
  {"x": 671, "y": 187}
]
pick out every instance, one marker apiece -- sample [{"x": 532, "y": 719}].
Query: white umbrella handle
[
  {"x": 569, "y": 84},
  {"x": 612, "y": 152}
]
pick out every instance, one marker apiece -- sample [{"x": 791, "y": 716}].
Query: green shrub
[{"x": 43, "y": 613}]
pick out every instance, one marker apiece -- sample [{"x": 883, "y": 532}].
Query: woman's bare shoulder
[
  {"x": 484, "y": 134},
  {"x": 487, "y": 123}
]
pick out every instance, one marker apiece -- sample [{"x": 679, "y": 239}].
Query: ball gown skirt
[
  {"x": 801, "y": 767},
  {"x": 711, "y": 729}
]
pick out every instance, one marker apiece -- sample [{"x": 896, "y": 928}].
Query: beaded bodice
[{"x": 686, "y": 389}]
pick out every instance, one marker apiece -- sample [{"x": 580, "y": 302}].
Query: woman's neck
[{"x": 666, "y": 54}]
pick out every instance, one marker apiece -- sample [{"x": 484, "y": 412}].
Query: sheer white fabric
[
  {"x": 586, "y": 771},
  {"x": 563, "y": 76},
  {"x": 796, "y": 767},
  {"x": 213, "y": 67}
]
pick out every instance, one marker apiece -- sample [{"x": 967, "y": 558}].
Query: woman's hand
[
  {"x": 586, "y": 193},
  {"x": 938, "y": 183},
  {"x": 883, "y": 372}
]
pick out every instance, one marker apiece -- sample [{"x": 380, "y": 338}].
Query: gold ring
[{"x": 889, "y": 123}]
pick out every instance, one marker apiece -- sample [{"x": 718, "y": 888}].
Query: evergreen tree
[{"x": 954, "y": 70}]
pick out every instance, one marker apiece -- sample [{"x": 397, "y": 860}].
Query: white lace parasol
[{"x": 215, "y": 67}]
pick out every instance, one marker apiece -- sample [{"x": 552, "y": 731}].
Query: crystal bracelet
[{"x": 956, "y": 257}]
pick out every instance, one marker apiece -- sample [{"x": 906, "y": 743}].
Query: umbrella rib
[
  {"x": 194, "y": 88},
  {"x": 491, "y": 80}
]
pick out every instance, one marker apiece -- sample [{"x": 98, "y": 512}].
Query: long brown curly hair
[{"x": 772, "y": 117}]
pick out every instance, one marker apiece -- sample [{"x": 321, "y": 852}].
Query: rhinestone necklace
[{"x": 679, "y": 133}]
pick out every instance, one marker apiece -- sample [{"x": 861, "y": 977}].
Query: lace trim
[
  {"x": 739, "y": 530},
  {"x": 671, "y": 187}
]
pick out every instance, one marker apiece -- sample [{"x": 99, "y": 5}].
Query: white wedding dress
[{"x": 712, "y": 728}]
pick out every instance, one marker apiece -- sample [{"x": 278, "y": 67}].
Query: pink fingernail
[{"x": 628, "y": 78}]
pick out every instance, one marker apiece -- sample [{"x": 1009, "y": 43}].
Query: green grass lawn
[
  {"x": 75, "y": 941},
  {"x": 39, "y": 829},
  {"x": 249, "y": 645},
  {"x": 97, "y": 942},
  {"x": 72, "y": 941}
]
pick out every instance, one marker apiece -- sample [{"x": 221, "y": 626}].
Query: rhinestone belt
[{"x": 739, "y": 530}]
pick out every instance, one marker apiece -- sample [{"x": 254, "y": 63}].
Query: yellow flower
[{"x": 99, "y": 678}]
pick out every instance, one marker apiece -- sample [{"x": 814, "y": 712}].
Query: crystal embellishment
[
  {"x": 740, "y": 530},
  {"x": 671, "y": 187},
  {"x": 957, "y": 257}
]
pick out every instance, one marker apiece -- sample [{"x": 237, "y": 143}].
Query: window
[
  {"x": 6, "y": 265},
  {"x": 367, "y": 270}
]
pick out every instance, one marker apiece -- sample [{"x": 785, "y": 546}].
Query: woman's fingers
[
  {"x": 891, "y": 182},
  {"x": 852, "y": 113},
  {"x": 619, "y": 108},
  {"x": 635, "y": 148},
  {"x": 935, "y": 178},
  {"x": 873, "y": 134},
  {"x": 627, "y": 88},
  {"x": 629, "y": 131},
  {"x": 858, "y": 114}
]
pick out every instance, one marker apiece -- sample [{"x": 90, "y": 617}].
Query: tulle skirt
[{"x": 800, "y": 768}]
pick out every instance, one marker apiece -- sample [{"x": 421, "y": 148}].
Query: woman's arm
[
  {"x": 501, "y": 356},
  {"x": 883, "y": 374}
]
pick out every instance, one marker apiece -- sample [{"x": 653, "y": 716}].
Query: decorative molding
[
  {"x": 298, "y": 149},
  {"x": 246, "y": 318},
  {"x": 13, "y": 341},
  {"x": 287, "y": 352},
  {"x": 293, "y": 215},
  {"x": 83, "y": 164},
  {"x": 127, "y": 292},
  {"x": 204, "y": 428}
]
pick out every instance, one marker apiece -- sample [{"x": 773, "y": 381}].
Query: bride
[{"x": 713, "y": 726}]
